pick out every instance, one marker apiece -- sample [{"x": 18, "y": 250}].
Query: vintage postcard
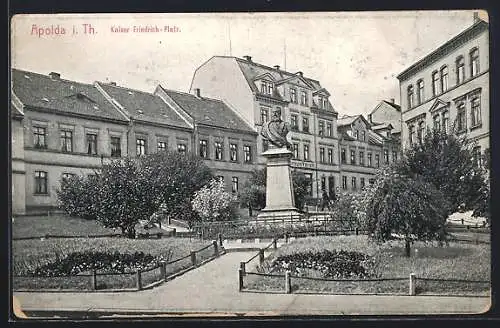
[{"x": 250, "y": 164}]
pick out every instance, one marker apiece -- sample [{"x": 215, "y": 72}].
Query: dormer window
[
  {"x": 322, "y": 102},
  {"x": 303, "y": 98},
  {"x": 293, "y": 95},
  {"x": 266, "y": 87}
]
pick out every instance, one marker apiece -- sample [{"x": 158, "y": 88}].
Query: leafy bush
[
  {"x": 105, "y": 262},
  {"x": 337, "y": 264},
  {"x": 213, "y": 203},
  {"x": 77, "y": 196}
]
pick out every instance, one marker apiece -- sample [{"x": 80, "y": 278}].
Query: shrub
[
  {"x": 213, "y": 203},
  {"x": 77, "y": 196}
]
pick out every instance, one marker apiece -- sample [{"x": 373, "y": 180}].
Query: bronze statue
[{"x": 276, "y": 130}]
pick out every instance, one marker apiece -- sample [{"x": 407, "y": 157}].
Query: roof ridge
[
  {"x": 49, "y": 78},
  {"x": 272, "y": 68},
  {"x": 190, "y": 94}
]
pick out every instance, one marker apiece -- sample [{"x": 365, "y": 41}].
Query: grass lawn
[
  {"x": 456, "y": 261},
  {"x": 59, "y": 224}
]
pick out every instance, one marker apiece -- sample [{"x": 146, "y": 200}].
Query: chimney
[
  {"x": 112, "y": 83},
  {"x": 248, "y": 58},
  {"x": 476, "y": 17},
  {"x": 391, "y": 100},
  {"x": 370, "y": 118},
  {"x": 277, "y": 67},
  {"x": 197, "y": 92},
  {"x": 55, "y": 76},
  {"x": 300, "y": 74}
]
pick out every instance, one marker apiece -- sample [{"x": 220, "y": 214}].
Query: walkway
[{"x": 214, "y": 288}]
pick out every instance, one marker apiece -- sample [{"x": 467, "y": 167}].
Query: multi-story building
[
  {"x": 255, "y": 90},
  {"x": 61, "y": 128},
  {"x": 449, "y": 90},
  {"x": 386, "y": 112}
]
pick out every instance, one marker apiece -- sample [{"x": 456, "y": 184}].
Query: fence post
[
  {"x": 261, "y": 255},
  {"x": 286, "y": 237},
  {"x": 357, "y": 231},
  {"x": 93, "y": 280},
  {"x": 413, "y": 280},
  {"x": 219, "y": 236},
  {"x": 240, "y": 279},
  {"x": 275, "y": 243},
  {"x": 288, "y": 285},
  {"x": 242, "y": 268},
  {"x": 163, "y": 270},
  {"x": 139, "y": 279},
  {"x": 477, "y": 239},
  {"x": 168, "y": 220},
  {"x": 193, "y": 258},
  {"x": 462, "y": 221},
  {"x": 216, "y": 248},
  {"x": 174, "y": 232}
]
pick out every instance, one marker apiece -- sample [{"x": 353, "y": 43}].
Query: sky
[{"x": 356, "y": 56}]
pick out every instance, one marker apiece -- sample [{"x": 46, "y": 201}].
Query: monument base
[{"x": 279, "y": 215}]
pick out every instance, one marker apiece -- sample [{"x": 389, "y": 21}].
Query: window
[
  {"x": 461, "y": 119},
  {"x": 67, "y": 176},
  {"x": 203, "y": 148},
  {"x": 40, "y": 182},
  {"x": 353, "y": 183},
  {"x": 295, "y": 150},
  {"x": 162, "y": 145},
  {"x": 353, "y": 157},
  {"x": 321, "y": 155},
  {"x": 371, "y": 181},
  {"x": 324, "y": 102},
  {"x": 436, "y": 122},
  {"x": 294, "y": 124},
  {"x": 234, "y": 181},
  {"x": 91, "y": 144},
  {"x": 331, "y": 185},
  {"x": 293, "y": 95},
  {"x": 220, "y": 178},
  {"x": 362, "y": 182},
  {"x": 303, "y": 98},
  {"x": 266, "y": 87},
  {"x": 323, "y": 183},
  {"x": 394, "y": 156},
  {"x": 420, "y": 90},
  {"x": 264, "y": 115},
  {"x": 219, "y": 150},
  {"x": 305, "y": 124},
  {"x": 39, "y": 136},
  {"x": 363, "y": 133},
  {"x": 435, "y": 83},
  {"x": 362, "y": 158},
  {"x": 67, "y": 141},
  {"x": 140, "y": 146},
  {"x": 475, "y": 107},
  {"x": 321, "y": 128},
  {"x": 377, "y": 160},
  {"x": 330, "y": 155},
  {"x": 306, "y": 152},
  {"x": 181, "y": 148},
  {"x": 356, "y": 134},
  {"x": 420, "y": 131},
  {"x": 116, "y": 147},
  {"x": 444, "y": 78},
  {"x": 233, "y": 152},
  {"x": 446, "y": 120},
  {"x": 265, "y": 144},
  {"x": 476, "y": 155},
  {"x": 386, "y": 156},
  {"x": 369, "y": 155},
  {"x": 474, "y": 62},
  {"x": 460, "y": 69},
  {"x": 411, "y": 133},
  {"x": 344, "y": 182},
  {"x": 343, "y": 156},
  {"x": 308, "y": 177},
  {"x": 329, "y": 129},
  {"x": 410, "y": 96},
  {"x": 247, "y": 153}
]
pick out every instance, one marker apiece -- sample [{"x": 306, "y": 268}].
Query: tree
[
  {"x": 77, "y": 196},
  {"x": 213, "y": 203},
  {"x": 254, "y": 190},
  {"x": 447, "y": 162},
  {"x": 406, "y": 206}
]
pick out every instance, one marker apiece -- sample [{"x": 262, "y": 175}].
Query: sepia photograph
[{"x": 265, "y": 164}]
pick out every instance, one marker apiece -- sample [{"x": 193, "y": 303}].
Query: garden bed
[{"x": 469, "y": 264}]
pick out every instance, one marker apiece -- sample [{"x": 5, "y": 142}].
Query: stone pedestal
[{"x": 280, "y": 202}]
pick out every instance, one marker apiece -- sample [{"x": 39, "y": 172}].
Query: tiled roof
[
  {"x": 37, "y": 90},
  {"x": 209, "y": 111},
  {"x": 144, "y": 106},
  {"x": 395, "y": 106}
]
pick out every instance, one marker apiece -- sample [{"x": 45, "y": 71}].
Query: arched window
[
  {"x": 444, "y": 78},
  {"x": 474, "y": 62},
  {"x": 435, "y": 83},
  {"x": 420, "y": 131},
  {"x": 420, "y": 91},
  {"x": 410, "y": 96},
  {"x": 460, "y": 69}
]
